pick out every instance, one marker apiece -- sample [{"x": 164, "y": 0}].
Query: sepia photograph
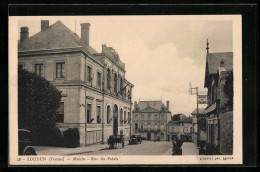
[{"x": 125, "y": 89}]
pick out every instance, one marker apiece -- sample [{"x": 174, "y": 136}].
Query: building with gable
[
  {"x": 96, "y": 96},
  {"x": 219, "y": 116},
  {"x": 150, "y": 119}
]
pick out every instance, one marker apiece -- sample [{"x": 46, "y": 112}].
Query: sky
[{"x": 162, "y": 54}]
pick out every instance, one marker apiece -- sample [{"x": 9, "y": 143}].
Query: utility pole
[{"x": 196, "y": 93}]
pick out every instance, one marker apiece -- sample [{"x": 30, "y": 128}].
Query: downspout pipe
[{"x": 103, "y": 103}]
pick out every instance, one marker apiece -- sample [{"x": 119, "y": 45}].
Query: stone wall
[{"x": 226, "y": 132}]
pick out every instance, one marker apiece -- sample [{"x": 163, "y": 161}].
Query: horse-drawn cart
[{"x": 112, "y": 141}]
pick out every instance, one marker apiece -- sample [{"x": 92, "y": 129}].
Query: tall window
[
  {"x": 99, "y": 79},
  {"x": 89, "y": 74},
  {"x": 136, "y": 126},
  {"x": 108, "y": 114},
  {"x": 121, "y": 84},
  {"x": 38, "y": 69},
  {"x": 88, "y": 113},
  {"x": 108, "y": 79},
  {"x": 121, "y": 116},
  {"x": 115, "y": 82},
  {"x": 156, "y": 117},
  {"x": 149, "y": 117},
  {"x": 60, "y": 113},
  {"x": 60, "y": 70},
  {"x": 98, "y": 114},
  {"x": 162, "y": 126},
  {"x": 124, "y": 116},
  {"x": 162, "y": 117},
  {"x": 128, "y": 117},
  {"x": 142, "y": 127},
  {"x": 142, "y": 117},
  {"x": 155, "y": 126}
]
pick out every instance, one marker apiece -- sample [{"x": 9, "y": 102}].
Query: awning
[{"x": 211, "y": 107}]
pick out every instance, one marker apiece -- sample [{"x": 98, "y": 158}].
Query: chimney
[
  {"x": 168, "y": 105},
  {"x": 104, "y": 46},
  {"x": 85, "y": 33},
  {"x": 135, "y": 105},
  {"x": 44, "y": 24},
  {"x": 24, "y": 34}
]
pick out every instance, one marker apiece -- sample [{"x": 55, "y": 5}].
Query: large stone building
[
  {"x": 181, "y": 128},
  {"x": 96, "y": 97},
  {"x": 150, "y": 119},
  {"x": 219, "y": 117}
]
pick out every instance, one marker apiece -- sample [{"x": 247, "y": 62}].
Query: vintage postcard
[{"x": 122, "y": 90}]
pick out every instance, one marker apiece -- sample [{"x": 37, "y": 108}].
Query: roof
[
  {"x": 56, "y": 36},
  {"x": 157, "y": 105},
  {"x": 201, "y": 111},
  {"x": 173, "y": 123},
  {"x": 187, "y": 120},
  {"x": 149, "y": 109},
  {"x": 214, "y": 60},
  {"x": 213, "y": 63}
]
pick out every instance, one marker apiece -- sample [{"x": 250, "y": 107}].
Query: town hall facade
[{"x": 96, "y": 96}]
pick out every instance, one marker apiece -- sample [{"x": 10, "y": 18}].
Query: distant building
[
  {"x": 199, "y": 128},
  {"x": 96, "y": 96},
  {"x": 150, "y": 119},
  {"x": 219, "y": 116},
  {"x": 183, "y": 128}
]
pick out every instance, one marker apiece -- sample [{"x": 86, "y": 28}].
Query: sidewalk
[
  {"x": 45, "y": 150},
  {"x": 189, "y": 148}
]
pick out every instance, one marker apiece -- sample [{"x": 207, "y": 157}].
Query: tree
[
  {"x": 176, "y": 117},
  {"x": 38, "y": 101},
  {"x": 228, "y": 89}
]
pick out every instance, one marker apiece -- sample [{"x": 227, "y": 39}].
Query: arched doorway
[
  {"x": 115, "y": 120},
  {"x": 148, "y": 136}
]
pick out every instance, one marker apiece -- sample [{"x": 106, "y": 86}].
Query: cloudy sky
[{"x": 163, "y": 54}]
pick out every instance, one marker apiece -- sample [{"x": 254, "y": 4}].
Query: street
[
  {"x": 189, "y": 148},
  {"x": 145, "y": 148}
]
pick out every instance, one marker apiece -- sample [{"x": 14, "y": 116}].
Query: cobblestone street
[{"x": 145, "y": 148}]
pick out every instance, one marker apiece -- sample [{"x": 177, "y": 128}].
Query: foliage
[
  {"x": 176, "y": 117},
  {"x": 228, "y": 89},
  {"x": 38, "y": 101},
  {"x": 71, "y": 137}
]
